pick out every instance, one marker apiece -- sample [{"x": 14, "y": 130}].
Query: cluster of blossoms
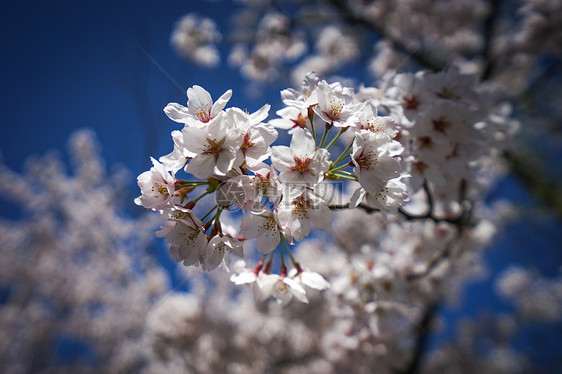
[
  {"x": 195, "y": 37},
  {"x": 281, "y": 189},
  {"x": 117, "y": 303},
  {"x": 275, "y": 43},
  {"x": 76, "y": 270},
  {"x": 445, "y": 127}
]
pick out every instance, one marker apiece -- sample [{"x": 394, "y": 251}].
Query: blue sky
[{"x": 67, "y": 66}]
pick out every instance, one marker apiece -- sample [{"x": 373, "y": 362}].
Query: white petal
[
  {"x": 194, "y": 140},
  {"x": 250, "y": 226},
  {"x": 198, "y": 98},
  {"x": 266, "y": 284},
  {"x": 221, "y": 103},
  {"x": 214, "y": 254},
  {"x": 296, "y": 289},
  {"x": 357, "y": 197},
  {"x": 260, "y": 114},
  {"x": 226, "y": 161},
  {"x": 268, "y": 133},
  {"x": 302, "y": 143},
  {"x": 176, "y": 112},
  {"x": 300, "y": 228},
  {"x": 243, "y": 278},
  {"x": 268, "y": 241},
  {"x": 314, "y": 280},
  {"x": 281, "y": 157},
  {"x": 282, "y": 123},
  {"x": 234, "y": 245},
  {"x": 201, "y": 166}
]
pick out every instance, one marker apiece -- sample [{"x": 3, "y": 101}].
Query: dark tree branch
[
  {"x": 488, "y": 35},
  {"x": 365, "y": 207},
  {"x": 424, "y": 330}
]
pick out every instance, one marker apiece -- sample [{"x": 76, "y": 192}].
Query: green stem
[
  {"x": 201, "y": 196},
  {"x": 345, "y": 172},
  {"x": 342, "y": 130},
  {"x": 311, "y": 119},
  {"x": 219, "y": 211},
  {"x": 290, "y": 252},
  {"x": 339, "y": 167},
  {"x": 209, "y": 212},
  {"x": 343, "y": 155},
  {"x": 281, "y": 253},
  {"x": 324, "y": 136},
  {"x": 353, "y": 178}
]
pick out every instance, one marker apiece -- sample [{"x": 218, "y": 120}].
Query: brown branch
[
  {"x": 488, "y": 34},
  {"x": 424, "y": 330},
  {"x": 365, "y": 207}
]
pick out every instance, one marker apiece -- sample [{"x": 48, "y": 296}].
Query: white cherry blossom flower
[
  {"x": 248, "y": 191},
  {"x": 176, "y": 160},
  {"x": 215, "y": 148},
  {"x": 296, "y": 214},
  {"x": 306, "y": 97},
  {"x": 263, "y": 225},
  {"x": 310, "y": 279},
  {"x": 264, "y": 182},
  {"x": 335, "y": 105},
  {"x": 217, "y": 248},
  {"x": 200, "y": 107},
  {"x": 282, "y": 288},
  {"x": 257, "y": 136},
  {"x": 301, "y": 163},
  {"x": 412, "y": 92},
  {"x": 292, "y": 117},
  {"x": 368, "y": 119},
  {"x": 243, "y": 275},
  {"x": 374, "y": 157},
  {"x": 452, "y": 85},
  {"x": 185, "y": 236},
  {"x": 387, "y": 197},
  {"x": 157, "y": 187}
]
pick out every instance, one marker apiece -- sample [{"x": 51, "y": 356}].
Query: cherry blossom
[
  {"x": 247, "y": 191},
  {"x": 184, "y": 233},
  {"x": 157, "y": 187},
  {"x": 200, "y": 107},
  {"x": 176, "y": 160},
  {"x": 414, "y": 148},
  {"x": 195, "y": 37},
  {"x": 301, "y": 163},
  {"x": 217, "y": 248},
  {"x": 335, "y": 105},
  {"x": 281, "y": 288},
  {"x": 262, "y": 224},
  {"x": 368, "y": 119},
  {"x": 292, "y": 117},
  {"x": 374, "y": 157},
  {"x": 215, "y": 148},
  {"x": 306, "y": 97},
  {"x": 257, "y": 136},
  {"x": 385, "y": 196},
  {"x": 299, "y": 210},
  {"x": 309, "y": 279}
]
